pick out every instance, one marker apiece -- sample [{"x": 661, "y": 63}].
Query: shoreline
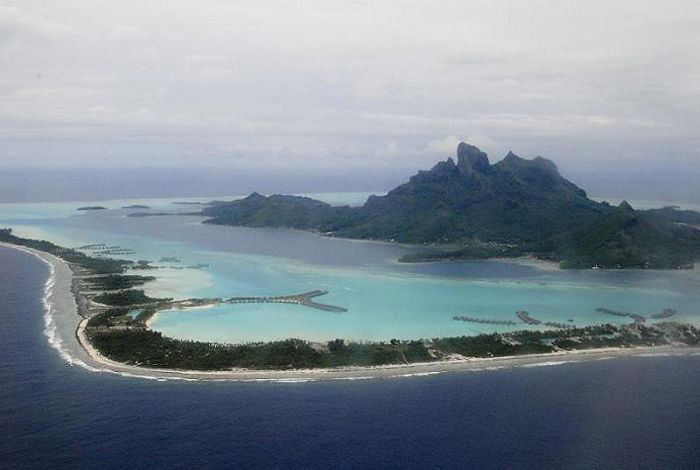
[{"x": 61, "y": 316}]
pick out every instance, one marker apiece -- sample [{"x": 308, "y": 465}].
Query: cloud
[
  {"x": 17, "y": 25},
  {"x": 444, "y": 146},
  {"x": 330, "y": 84}
]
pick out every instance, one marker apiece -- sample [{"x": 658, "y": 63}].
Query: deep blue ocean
[{"x": 622, "y": 413}]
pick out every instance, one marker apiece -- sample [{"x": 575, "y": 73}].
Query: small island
[
  {"x": 136, "y": 206},
  {"x": 91, "y": 208}
]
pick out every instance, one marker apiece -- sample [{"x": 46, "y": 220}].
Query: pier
[
  {"x": 304, "y": 299},
  {"x": 557, "y": 325},
  {"x": 526, "y": 318},
  {"x": 521, "y": 314},
  {"x": 486, "y": 321},
  {"x": 667, "y": 312},
  {"x": 635, "y": 316}
]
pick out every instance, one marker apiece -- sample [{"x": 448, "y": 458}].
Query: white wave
[
  {"x": 291, "y": 380},
  {"x": 50, "y": 328},
  {"x": 548, "y": 363},
  {"x": 362, "y": 377},
  {"x": 419, "y": 374},
  {"x": 652, "y": 354}
]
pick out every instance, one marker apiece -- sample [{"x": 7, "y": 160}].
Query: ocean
[{"x": 638, "y": 412}]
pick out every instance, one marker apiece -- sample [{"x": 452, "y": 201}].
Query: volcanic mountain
[{"x": 474, "y": 209}]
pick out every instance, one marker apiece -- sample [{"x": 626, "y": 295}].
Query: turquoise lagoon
[{"x": 385, "y": 299}]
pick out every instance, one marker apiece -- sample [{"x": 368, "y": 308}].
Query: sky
[{"x": 303, "y": 86}]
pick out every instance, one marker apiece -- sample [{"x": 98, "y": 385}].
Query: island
[
  {"x": 114, "y": 315},
  {"x": 136, "y": 206},
  {"x": 472, "y": 209},
  {"x": 91, "y": 208}
]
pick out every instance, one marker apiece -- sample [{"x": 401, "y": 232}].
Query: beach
[{"x": 64, "y": 329}]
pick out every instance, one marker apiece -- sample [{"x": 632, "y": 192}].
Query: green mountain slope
[
  {"x": 510, "y": 208},
  {"x": 273, "y": 211},
  {"x": 630, "y": 239},
  {"x": 514, "y": 201}
]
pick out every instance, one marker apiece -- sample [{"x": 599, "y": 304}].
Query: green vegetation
[
  {"x": 143, "y": 265},
  {"x": 674, "y": 215},
  {"x": 513, "y": 208},
  {"x": 109, "y": 277},
  {"x": 152, "y": 349},
  {"x": 127, "y": 298},
  {"x": 149, "y": 348},
  {"x": 472, "y": 249},
  {"x": 626, "y": 238},
  {"x": 113, "y": 317},
  {"x": 538, "y": 342},
  {"x": 116, "y": 282},
  {"x": 489, "y": 345},
  {"x": 94, "y": 265},
  {"x": 122, "y": 317},
  {"x": 275, "y": 211}
]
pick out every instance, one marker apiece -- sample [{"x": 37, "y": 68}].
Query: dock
[
  {"x": 557, "y": 325},
  {"x": 305, "y": 299},
  {"x": 666, "y": 313},
  {"x": 486, "y": 321},
  {"x": 635, "y": 316},
  {"x": 526, "y": 318}
]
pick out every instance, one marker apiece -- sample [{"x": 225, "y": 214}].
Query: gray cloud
[{"x": 325, "y": 84}]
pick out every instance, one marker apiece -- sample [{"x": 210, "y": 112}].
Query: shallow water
[{"x": 385, "y": 299}]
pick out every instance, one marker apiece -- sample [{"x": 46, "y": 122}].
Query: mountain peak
[
  {"x": 511, "y": 157},
  {"x": 471, "y": 160},
  {"x": 625, "y": 207},
  {"x": 538, "y": 165},
  {"x": 546, "y": 164},
  {"x": 255, "y": 196}
]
